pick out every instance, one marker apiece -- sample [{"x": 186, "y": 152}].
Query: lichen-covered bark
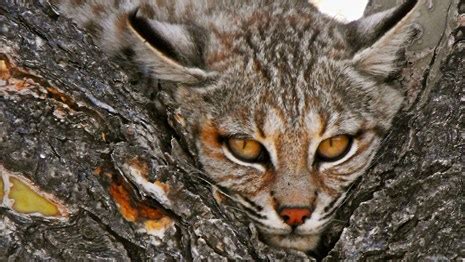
[{"x": 108, "y": 151}]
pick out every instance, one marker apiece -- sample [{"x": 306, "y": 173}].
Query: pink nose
[{"x": 295, "y": 216}]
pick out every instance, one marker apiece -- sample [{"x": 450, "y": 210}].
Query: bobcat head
[{"x": 287, "y": 105}]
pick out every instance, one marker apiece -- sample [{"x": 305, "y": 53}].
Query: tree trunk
[{"x": 94, "y": 164}]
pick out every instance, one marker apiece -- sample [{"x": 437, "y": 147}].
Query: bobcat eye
[
  {"x": 247, "y": 150},
  {"x": 334, "y": 148}
]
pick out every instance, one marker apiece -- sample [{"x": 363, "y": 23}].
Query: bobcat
[{"x": 287, "y": 106}]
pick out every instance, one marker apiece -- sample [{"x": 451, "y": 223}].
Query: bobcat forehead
[{"x": 287, "y": 32}]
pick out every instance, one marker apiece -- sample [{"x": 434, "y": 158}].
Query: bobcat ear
[
  {"x": 381, "y": 38},
  {"x": 171, "y": 52}
]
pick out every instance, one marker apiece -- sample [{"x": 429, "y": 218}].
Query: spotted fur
[{"x": 278, "y": 72}]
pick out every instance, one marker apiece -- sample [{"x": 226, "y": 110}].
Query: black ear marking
[
  {"x": 367, "y": 30},
  {"x": 169, "y": 51},
  {"x": 150, "y": 34},
  {"x": 397, "y": 15},
  {"x": 379, "y": 40}
]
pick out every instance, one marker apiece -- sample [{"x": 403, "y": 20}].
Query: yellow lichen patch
[
  {"x": 27, "y": 200},
  {"x": 157, "y": 225}
]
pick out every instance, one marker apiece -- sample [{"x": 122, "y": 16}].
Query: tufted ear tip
[
  {"x": 172, "y": 52},
  {"x": 381, "y": 38}
]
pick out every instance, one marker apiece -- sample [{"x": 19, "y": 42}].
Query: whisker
[
  {"x": 251, "y": 206},
  {"x": 379, "y": 156},
  {"x": 195, "y": 170},
  {"x": 238, "y": 209},
  {"x": 338, "y": 220},
  {"x": 334, "y": 209}
]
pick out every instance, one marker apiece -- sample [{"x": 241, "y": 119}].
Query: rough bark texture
[{"x": 101, "y": 144}]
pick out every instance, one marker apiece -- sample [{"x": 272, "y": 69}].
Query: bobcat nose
[{"x": 295, "y": 216}]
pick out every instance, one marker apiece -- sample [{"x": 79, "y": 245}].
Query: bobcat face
[
  {"x": 287, "y": 106},
  {"x": 289, "y": 123},
  {"x": 290, "y": 152}
]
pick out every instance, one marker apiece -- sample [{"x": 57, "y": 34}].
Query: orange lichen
[
  {"x": 125, "y": 205},
  {"x": 22, "y": 84},
  {"x": 15, "y": 80},
  {"x": 98, "y": 171},
  {"x": 165, "y": 187},
  {"x": 160, "y": 224},
  {"x": 147, "y": 212},
  {"x": 140, "y": 165},
  {"x": 4, "y": 71},
  {"x": 60, "y": 96},
  {"x": 131, "y": 209},
  {"x": 108, "y": 175}
]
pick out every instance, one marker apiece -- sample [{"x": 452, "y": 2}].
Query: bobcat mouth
[
  {"x": 291, "y": 237},
  {"x": 293, "y": 241}
]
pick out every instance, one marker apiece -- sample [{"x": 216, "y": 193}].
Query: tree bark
[{"x": 108, "y": 151}]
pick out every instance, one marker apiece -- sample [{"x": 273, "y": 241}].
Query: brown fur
[{"x": 278, "y": 72}]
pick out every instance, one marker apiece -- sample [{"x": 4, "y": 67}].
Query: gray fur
[{"x": 278, "y": 72}]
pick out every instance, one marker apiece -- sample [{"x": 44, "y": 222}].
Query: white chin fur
[{"x": 298, "y": 242}]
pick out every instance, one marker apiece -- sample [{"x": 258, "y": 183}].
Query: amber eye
[
  {"x": 245, "y": 149},
  {"x": 334, "y": 148}
]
